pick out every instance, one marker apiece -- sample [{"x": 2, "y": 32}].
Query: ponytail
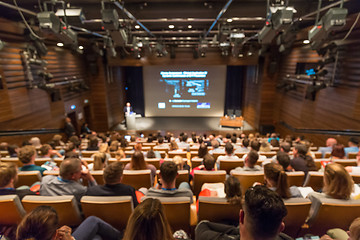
[{"x": 282, "y": 187}]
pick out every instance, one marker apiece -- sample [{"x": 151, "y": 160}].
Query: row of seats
[
  {"x": 142, "y": 178},
  {"x": 116, "y": 211}
]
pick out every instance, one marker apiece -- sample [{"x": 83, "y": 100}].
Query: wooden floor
[{"x": 180, "y": 123}]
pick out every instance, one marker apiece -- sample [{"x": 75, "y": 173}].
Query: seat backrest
[
  {"x": 54, "y": 173},
  {"x": 28, "y": 178},
  {"x": 172, "y": 154},
  {"x": 229, "y": 165},
  {"x": 268, "y": 154},
  {"x": 137, "y": 178},
  {"x": 13, "y": 160},
  {"x": 202, "y": 176},
  {"x": 113, "y": 210},
  {"x": 217, "y": 154},
  {"x": 11, "y": 210},
  {"x": 318, "y": 155},
  {"x": 66, "y": 207},
  {"x": 298, "y": 211},
  {"x": 125, "y": 161},
  {"x": 177, "y": 211},
  {"x": 317, "y": 164},
  {"x": 98, "y": 176},
  {"x": 352, "y": 155},
  {"x": 217, "y": 209},
  {"x": 155, "y": 162},
  {"x": 334, "y": 213},
  {"x": 314, "y": 180},
  {"x": 346, "y": 162},
  {"x": 355, "y": 177},
  {"x": 41, "y": 161},
  {"x": 248, "y": 178},
  {"x": 183, "y": 176},
  {"x": 87, "y": 154},
  {"x": 295, "y": 178},
  {"x": 240, "y": 154},
  {"x": 195, "y": 162}
]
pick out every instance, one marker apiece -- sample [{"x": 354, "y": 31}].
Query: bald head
[{"x": 331, "y": 142}]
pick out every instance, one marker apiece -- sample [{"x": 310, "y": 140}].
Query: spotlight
[
  {"x": 137, "y": 27},
  {"x": 306, "y": 41},
  {"x": 110, "y": 19},
  {"x": 189, "y": 26},
  {"x": 60, "y": 44},
  {"x": 81, "y": 47},
  {"x": 266, "y": 35},
  {"x": 282, "y": 18},
  {"x": 48, "y": 21},
  {"x": 171, "y": 26}
]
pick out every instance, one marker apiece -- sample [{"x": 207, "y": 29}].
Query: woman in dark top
[{"x": 302, "y": 161}]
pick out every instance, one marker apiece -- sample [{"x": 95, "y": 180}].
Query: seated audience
[
  {"x": 276, "y": 179},
  {"x": 13, "y": 150},
  {"x": 43, "y": 224},
  {"x": 113, "y": 186},
  {"x": 274, "y": 143},
  {"x": 338, "y": 184},
  {"x": 255, "y": 146},
  {"x": 264, "y": 147},
  {"x": 302, "y": 161},
  {"x": 119, "y": 154},
  {"x": 27, "y": 156},
  {"x": 35, "y": 141},
  {"x": 283, "y": 159},
  {"x": 161, "y": 144},
  {"x": 353, "y": 146},
  {"x": 183, "y": 144},
  {"x": 167, "y": 186},
  {"x": 216, "y": 147},
  {"x": 138, "y": 163},
  {"x": 8, "y": 178},
  {"x": 57, "y": 140},
  {"x": 202, "y": 151},
  {"x": 229, "y": 150},
  {"x": 330, "y": 142},
  {"x": 93, "y": 144},
  {"x": 148, "y": 221},
  {"x": 244, "y": 148},
  {"x": 337, "y": 152},
  {"x": 250, "y": 163},
  {"x": 100, "y": 161},
  {"x": 261, "y": 218},
  {"x": 67, "y": 183},
  {"x": 208, "y": 164},
  {"x": 114, "y": 146},
  {"x": 46, "y": 151}
]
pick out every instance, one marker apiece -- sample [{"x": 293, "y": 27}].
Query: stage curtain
[
  {"x": 134, "y": 88},
  {"x": 234, "y": 87}
]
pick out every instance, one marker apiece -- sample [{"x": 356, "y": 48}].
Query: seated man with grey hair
[{"x": 68, "y": 181}]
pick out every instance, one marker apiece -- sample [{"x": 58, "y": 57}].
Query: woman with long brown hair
[
  {"x": 276, "y": 179},
  {"x": 148, "y": 221},
  {"x": 138, "y": 163}
]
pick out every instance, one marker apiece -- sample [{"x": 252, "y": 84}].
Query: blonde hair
[
  {"x": 104, "y": 148},
  {"x": 179, "y": 161},
  {"x": 148, "y": 221},
  {"x": 337, "y": 182},
  {"x": 114, "y": 146},
  {"x": 7, "y": 172},
  {"x": 26, "y": 153},
  {"x": 100, "y": 161},
  {"x": 119, "y": 154}
]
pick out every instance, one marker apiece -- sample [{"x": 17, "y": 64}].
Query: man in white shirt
[{"x": 229, "y": 150}]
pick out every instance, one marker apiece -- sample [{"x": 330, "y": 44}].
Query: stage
[{"x": 180, "y": 123}]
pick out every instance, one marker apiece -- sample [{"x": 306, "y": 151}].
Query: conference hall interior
[{"x": 179, "y": 119}]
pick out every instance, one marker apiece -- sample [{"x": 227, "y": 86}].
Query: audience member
[
  {"x": 203, "y": 150},
  {"x": 67, "y": 183},
  {"x": 208, "y": 164},
  {"x": 283, "y": 159},
  {"x": 43, "y": 224},
  {"x": 255, "y": 146},
  {"x": 138, "y": 163},
  {"x": 27, "y": 156},
  {"x": 330, "y": 142},
  {"x": 167, "y": 184},
  {"x": 233, "y": 190},
  {"x": 250, "y": 162},
  {"x": 261, "y": 218},
  {"x": 302, "y": 161},
  {"x": 57, "y": 140},
  {"x": 216, "y": 147},
  {"x": 338, "y": 184},
  {"x": 276, "y": 179},
  {"x": 113, "y": 186},
  {"x": 13, "y": 150},
  {"x": 264, "y": 147},
  {"x": 8, "y": 179},
  {"x": 85, "y": 129},
  {"x": 161, "y": 144},
  {"x": 353, "y": 146},
  {"x": 229, "y": 150},
  {"x": 93, "y": 144},
  {"x": 183, "y": 144},
  {"x": 35, "y": 141},
  {"x": 244, "y": 148},
  {"x": 337, "y": 152},
  {"x": 46, "y": 151},
  {"x": 114, "y": 146},
  {"x": 148, "y": 221}
]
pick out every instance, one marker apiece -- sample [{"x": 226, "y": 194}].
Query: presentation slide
[{"x": 188, "y": 91}]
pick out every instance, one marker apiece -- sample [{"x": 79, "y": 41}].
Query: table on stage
[{"x": 231, "y": 122}]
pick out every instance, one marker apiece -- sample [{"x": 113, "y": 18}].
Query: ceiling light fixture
[
  {"x": 171, "y": 26},
  {"x": 229, "y": 20},
  {"x": 137, "y": 26},
  {"x": 60, "y": 44},
  {"x": 306, "y": 41},
  {"x": 81, "y": 47},
  {"x": 189, "y": 26}
]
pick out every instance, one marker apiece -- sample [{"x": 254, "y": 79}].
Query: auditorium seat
[
  {"x": 295, "y": 178},
  {"x": 54, "y": 173},
  {"x": 352, "y": 155},
  {"x": 229, "y": 165},
  {"x": 99, "y": 176},
  {"x": 183, "y": 176},
  {"x": 66, "y": 207},
  {"x": 318, "y": 155},
  {"x": 125, "y": 161},
  {"x": 11, "y": 210},
  {"x": 152, "y": 144},
  {"x": 137, "y": 178},
  {"x": 4, "y": 154},
  {"x": 177, "y": 211},
  {"x": 247, "y": 179},
  {"x": 318, "y": 163},
  {"x": 87, "y": 154},
  {"x": 153, "y": 161},
  {"x": 113, "y": 210},
  {"x": 346, "y": 162},
  {"x": 298, "y": 211},
  {"x": 195, "y": 162},
  {"x": 327, "y": 155},
  {"x": 161, "y": 149},
  {"x": 217, "y": 209},
  {"x": 13, "y": 160},
  {"x": 334, "y": 213},
  {"x": 41, "y": 161},
  {"x": 216, "y": 155},
  {"x": 201, "y": 177},
  {"x": 268, "y": 154},
  {"x": 355, "y": 177},
  {"x": 315, "y": 180},
  {"x": 172, "y": 154},
  {"x": 240, "y": 155},
  {"x": 28, "y": 178}
]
